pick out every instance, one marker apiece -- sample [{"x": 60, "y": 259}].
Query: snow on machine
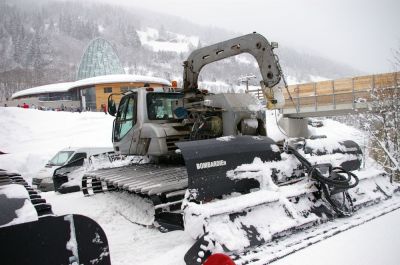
[
  {"x": 31, "y": 234},
  {"x": 213, "y": 171}
]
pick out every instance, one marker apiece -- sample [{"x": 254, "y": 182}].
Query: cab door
[{"x": 125, "y": 133}]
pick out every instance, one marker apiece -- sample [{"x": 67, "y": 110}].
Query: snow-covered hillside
[
  {"x": 31, "y": 137},
  {"x": 167, "y": 41},
  {"x": 54, "y": 35}
]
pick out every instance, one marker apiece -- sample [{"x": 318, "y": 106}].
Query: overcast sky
[{"x": 361, "y": 33}]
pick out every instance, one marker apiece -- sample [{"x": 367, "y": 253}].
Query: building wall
[
  {"x": 95, "y": 96},
  {"x": 103, "y": 91},
  {"x": 68, "y": 104},
  {"x": 89, "y": 97}
]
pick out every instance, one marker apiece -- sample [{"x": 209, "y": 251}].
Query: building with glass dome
[
  {"x": 98, "y": 59},
  {"x": 99, "y": 74}
]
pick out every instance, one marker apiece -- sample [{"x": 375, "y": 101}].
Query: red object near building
[
  {"x": 219, "y": 259},
  {"x": 103, "y": 107},
  {"x": 25, "y": 106}
]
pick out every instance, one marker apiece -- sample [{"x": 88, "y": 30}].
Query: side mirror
[{"x": 111, "y": 108}]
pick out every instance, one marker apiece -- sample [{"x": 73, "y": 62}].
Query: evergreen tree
[{"x": 130, "y": 38}]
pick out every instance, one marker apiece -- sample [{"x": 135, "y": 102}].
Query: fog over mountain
[{"x": 42, "y": 42}]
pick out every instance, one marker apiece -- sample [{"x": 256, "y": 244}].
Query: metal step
[{"x": 146, "y": 179}]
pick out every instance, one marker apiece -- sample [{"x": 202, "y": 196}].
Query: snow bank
[
  {"x": 372, "y": 243},
  {"x": 31, "y": 137}
]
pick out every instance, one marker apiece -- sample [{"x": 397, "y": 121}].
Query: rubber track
[
  {"x": 146, "y": 179},
  {"x": 40, "y": 204}
]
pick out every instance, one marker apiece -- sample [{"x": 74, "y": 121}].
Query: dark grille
[{"x": 171, "y": 140}]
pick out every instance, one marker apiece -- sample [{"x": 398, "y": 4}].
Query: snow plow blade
[
  {"x": 248, "y": 192},
  {"x": 68, "y": 239},
  {"x": 208, "y": 161}
]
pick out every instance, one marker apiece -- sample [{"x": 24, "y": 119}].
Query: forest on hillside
[{"x": 42, "y": 42}]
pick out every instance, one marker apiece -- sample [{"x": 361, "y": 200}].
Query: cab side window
[
  {"x": 78, "y": 156},
  {"x": 126, "y": 117}
]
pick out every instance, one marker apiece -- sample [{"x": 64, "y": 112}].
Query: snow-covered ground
[
  {"x": 31, "y": 137},
  {"x": 375, "y": 242}
]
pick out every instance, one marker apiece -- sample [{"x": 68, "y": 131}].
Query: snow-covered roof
[
  {"x": 52, "y": 88},
  {"x": 104, "y": 79}
]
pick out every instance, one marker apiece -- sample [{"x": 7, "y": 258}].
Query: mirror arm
[{"x": 111, "y": 108}]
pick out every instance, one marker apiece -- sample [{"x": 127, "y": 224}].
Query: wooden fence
[{"x": 336, "y": 92}]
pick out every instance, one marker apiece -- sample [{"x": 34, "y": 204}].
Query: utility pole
[{"x": 245, "y": 79}]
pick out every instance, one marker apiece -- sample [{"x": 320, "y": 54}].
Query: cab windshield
[
  {"x": 160, "y": 106},
  {"x": 60, "y": 158}
]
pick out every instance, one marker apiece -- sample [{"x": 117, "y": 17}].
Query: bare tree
[{"x": 382, "y": 122}]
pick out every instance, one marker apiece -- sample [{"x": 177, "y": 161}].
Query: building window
[
  {"x": 108, "y": 90},
  {"x": 124, "y": 89}
]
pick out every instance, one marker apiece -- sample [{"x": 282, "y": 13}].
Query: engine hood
[{"x": 154, "y": 130}]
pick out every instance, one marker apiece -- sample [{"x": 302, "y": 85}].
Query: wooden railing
[{"x": 332, "y": 93}]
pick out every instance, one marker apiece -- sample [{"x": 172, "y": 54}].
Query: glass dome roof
[{"x": 98, "y": 59}]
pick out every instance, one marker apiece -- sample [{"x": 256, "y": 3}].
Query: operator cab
[
  {"x": 140, "y": 118},
  {"x": 159, "y": 108}
]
